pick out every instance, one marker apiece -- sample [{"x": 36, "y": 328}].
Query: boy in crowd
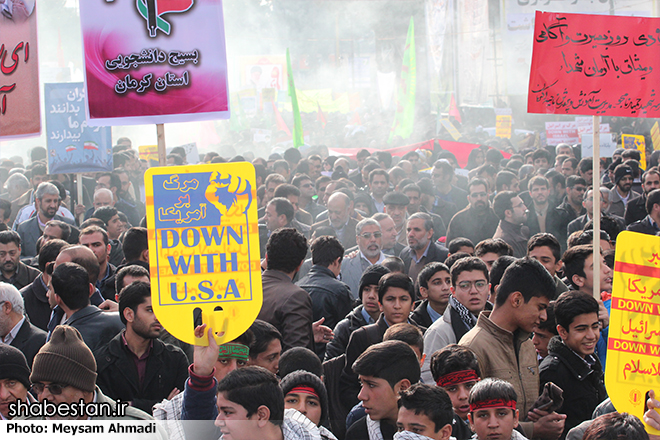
[
  {"x": 364, "y": 314},
  {"x": 493, "y": 412},
  {"x": 384, "y": 370},
  {"x": 545, "y": 248},
  {"x": 434, "y": 283},
  {"x": 571, "y": 363},
  {"x": 470, "y": 290},
  {"x": 456, "y": 370},
  {"x": 545, "y": 331},
  {"x": 579, "y": 271},
  {"x": 426, "y": 411},
  {"x": 502, "y": 344},
  {"x": 396, "y": 296}
]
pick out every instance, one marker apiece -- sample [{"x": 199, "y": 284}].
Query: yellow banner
[
  {"x": 633, "y": 345},
  {"x": 204, "y": 248},
  {"x": 503, "y": 126},
  {"x": 655, "y": 136},
  {"x": 310, "y": 100},
  {"x": 148, "y": 152},
  {"x": 637, "y": 142},
  {"x": 450, "y": 128}
]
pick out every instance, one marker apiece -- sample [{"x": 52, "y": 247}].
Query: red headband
[
  {"x": 493, "y": 403},
  {"x": 457, "y": 377},
  {"x": 304, "y": 390}
]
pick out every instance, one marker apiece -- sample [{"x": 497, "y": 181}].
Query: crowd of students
[{"x": 403, "y": 297}]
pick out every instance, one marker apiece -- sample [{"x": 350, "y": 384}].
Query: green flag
[
  {"x": 404, "y": 118},
  {"x": 297, "y": 123}
]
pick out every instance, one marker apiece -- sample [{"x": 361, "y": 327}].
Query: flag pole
[{"x": 596, "y": 205}]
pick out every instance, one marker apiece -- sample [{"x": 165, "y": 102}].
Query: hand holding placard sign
[
  {"x": 633, "y": 346},
  {"x": 204, "y": 248}
]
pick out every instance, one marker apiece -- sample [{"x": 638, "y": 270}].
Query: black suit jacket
[
  {"x": 36, "y": 303},
  {"x": 29, "y": 340}
]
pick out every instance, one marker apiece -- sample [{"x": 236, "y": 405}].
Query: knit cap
[
  {"x": 302, "y": 379},
  {"x": 372, "y": 275},
  {"x": 66, "y": 360},
  {"x": 621, "y": 171},
  {"x": 13, "y": 365}
]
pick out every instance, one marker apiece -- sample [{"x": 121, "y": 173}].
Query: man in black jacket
[
  {"x": 364, "y": 314},
  {"x": 636, "y": 209},
  {"x": 15, "y": 328},
  {"x": 649, "y": 224},
  {"x": 571, "y": 363},
  {"x": 331, "y": 299},
  {"x": 421, "y": 249},
  {"x": 37, "y": 306},
  {"x": 135, "y": 366}
]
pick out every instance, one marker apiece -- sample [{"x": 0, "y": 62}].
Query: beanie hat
[
  {"x": 300, "y": 378},
  {"x": 13, "y": 365},
  {"x": 621, "y": 171},
  {"x": 65, "y": 359},
  {"x": 372, "y": 275}
]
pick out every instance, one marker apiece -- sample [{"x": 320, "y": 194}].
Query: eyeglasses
[
  {"x": 367, "y": 235},
  {"x": 467, "y": 285},
  {"x": 54, "y": 388}
]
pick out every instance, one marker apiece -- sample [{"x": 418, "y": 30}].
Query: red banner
[
  {"x": 595, "y": 65},
  {"x": 398, "y": 151},
  {"x": 460, "y": 149}
]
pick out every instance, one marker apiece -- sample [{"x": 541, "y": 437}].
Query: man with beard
[
  {"x": 421, "y": 249},
  {"x": 395, "y": 207},
  {"x": 512, "y": 213},
  {"x": 162, "y": 368},
  {"x": 12, "y": 270},
  {"x": 96, "y": 239},
  {"x": 541, "y": 217},
  {"x": 636, "y": 208},
  {"x": 339, "y": 218},
  {"x": 622, "y": 193},
  {"x": 478, "y": 220},
  {"x": 47, "y": 202},
  {"x": 369, "y": 238}
]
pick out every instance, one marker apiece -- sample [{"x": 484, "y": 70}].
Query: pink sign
[
  {"x": 19, "y": 70},
  {"x": 154, "y": 61}
]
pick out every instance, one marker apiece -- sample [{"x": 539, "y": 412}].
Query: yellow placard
[
  {"x": 655, "y": 136},
  {"x": 633, "y": 345},
  {"x": 450, "y": 128},
  {"x": 503, "y": 126},
  {"x": 636, "y": 142},
  {"x": 148, "y": 152},
  {"x": 204, "y": 248}
]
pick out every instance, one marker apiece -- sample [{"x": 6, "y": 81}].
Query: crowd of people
[{"x": 403, "y": 298}]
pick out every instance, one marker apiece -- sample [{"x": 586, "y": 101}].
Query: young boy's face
[
  {"x": 582, "y": 334},
  {"x": 493, "y": 423},
  {"x": 378, "y": 398},
  {"x": 439, "y": 288},
  {"x": 233, "y": 420},
  {"x": 421, "y": 424},
  {"x": 541, "y": 339},
  {"x": 397, "y": 305},
  {"x": 307, "y": 404},
  {"x": 459, "y": 394}
]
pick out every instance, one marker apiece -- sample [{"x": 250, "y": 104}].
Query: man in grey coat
[{"x": 368, "y": 236}]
